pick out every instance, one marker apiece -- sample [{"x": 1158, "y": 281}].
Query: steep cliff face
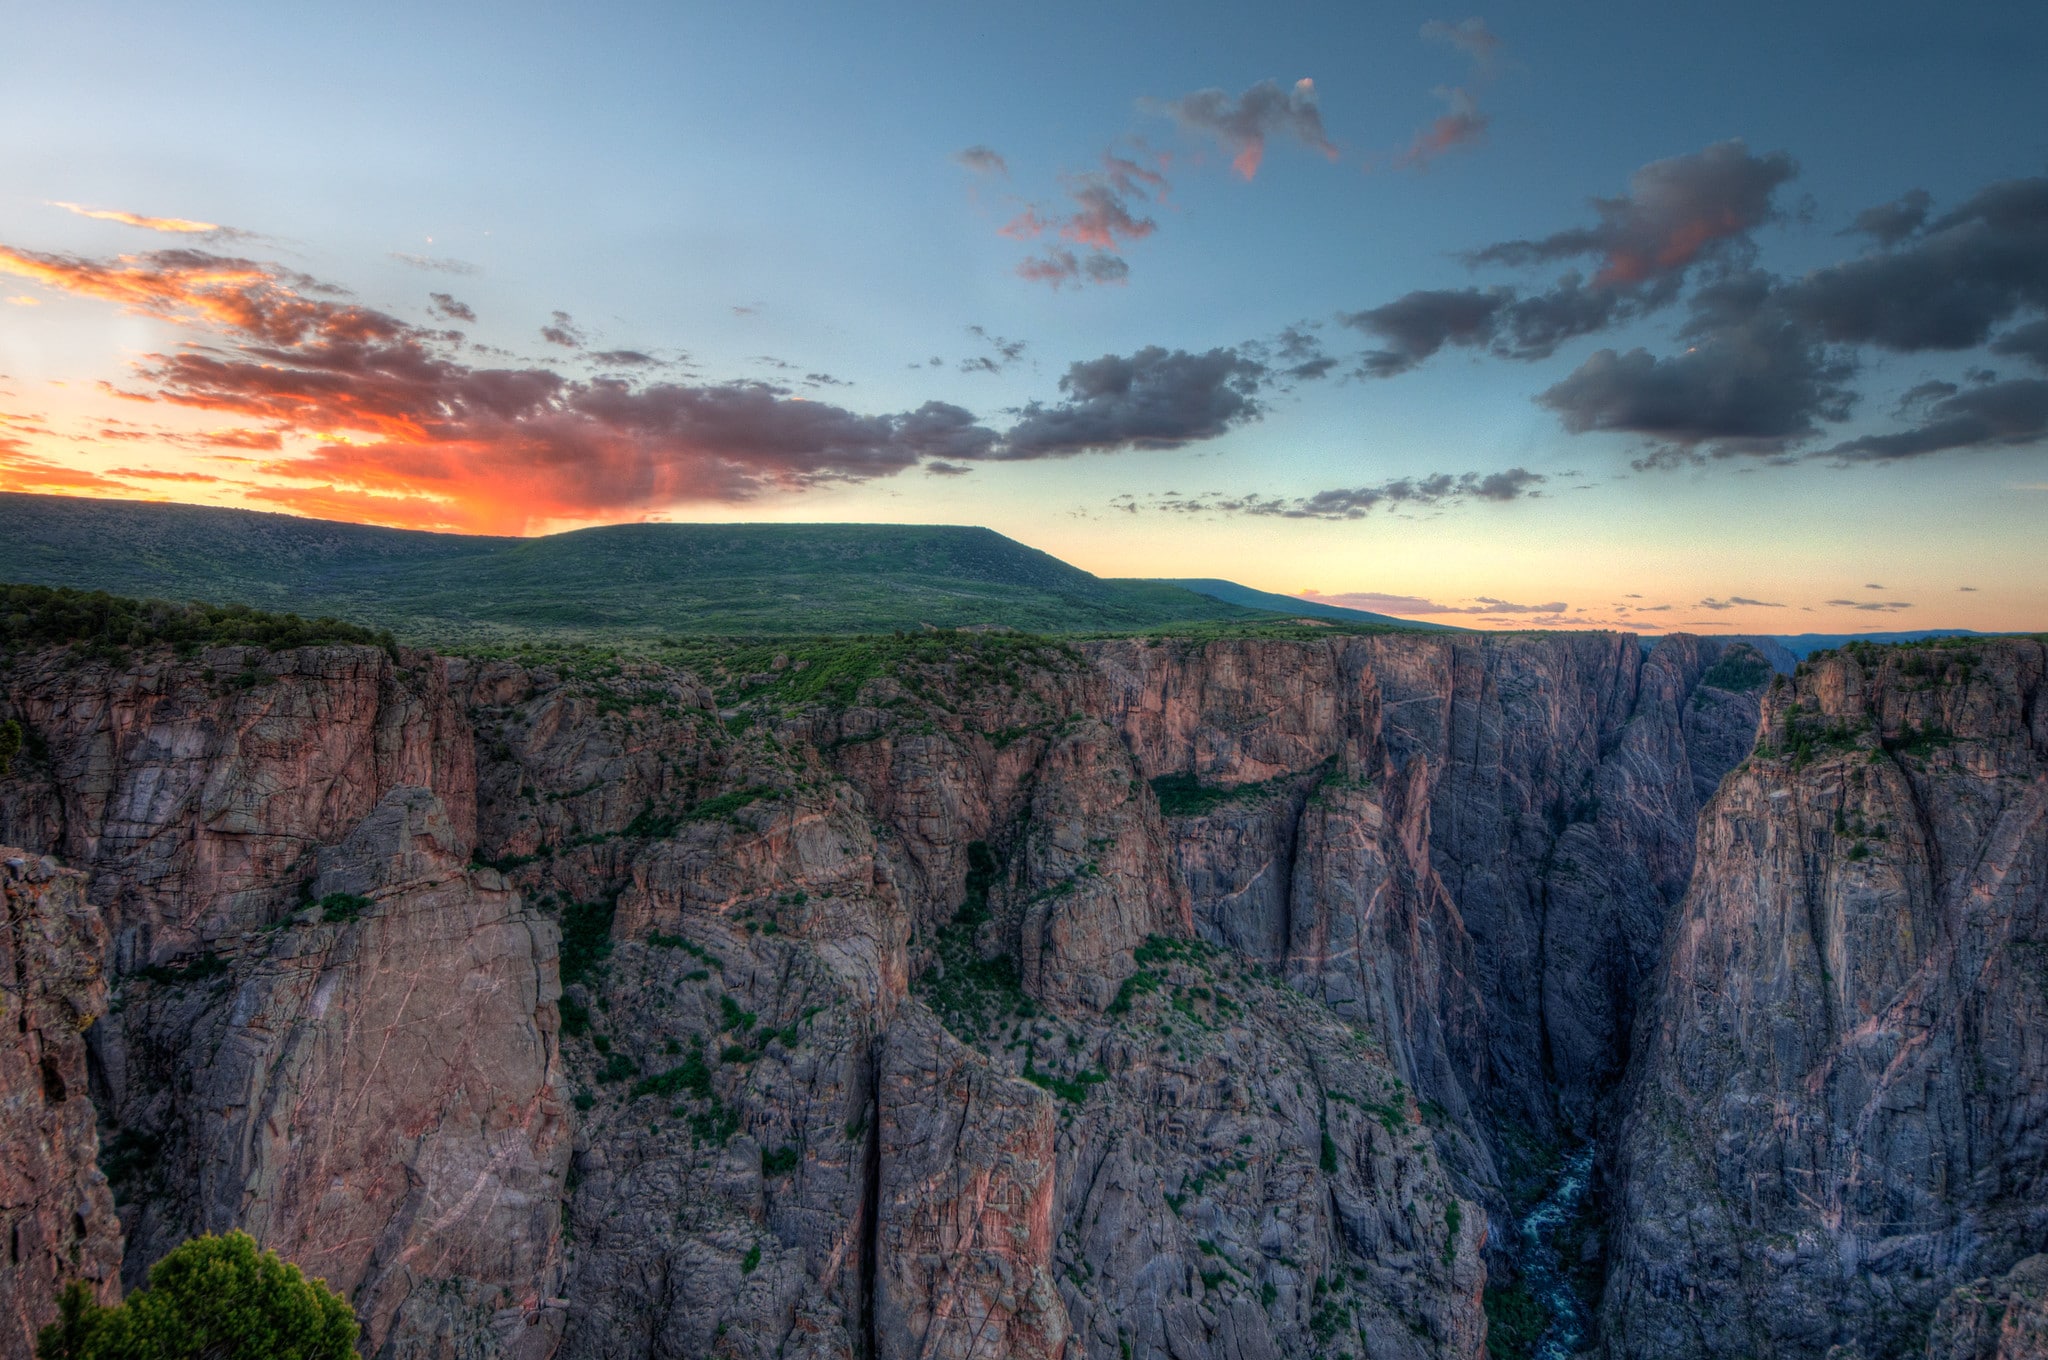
[
  {"x": 1841, "y": 1109},
  {"x": 950, "y": 997},
  {"x": 1481, "y": 837},
  {"x": 57, "y": 1219}
]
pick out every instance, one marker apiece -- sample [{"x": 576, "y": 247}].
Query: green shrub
[
  {"x": 1741, "y": 669},
  {"x": 11, "y": 737},
  {"x": 339, "y": 907},
  {"x": 36, "y": 616},
  {"x": 216, "y": 1298}
]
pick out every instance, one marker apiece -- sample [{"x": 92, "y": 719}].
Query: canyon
[{"x": 980, "y": 995}]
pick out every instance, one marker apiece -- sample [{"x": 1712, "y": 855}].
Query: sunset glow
[{"x": 1427, "y": 328}]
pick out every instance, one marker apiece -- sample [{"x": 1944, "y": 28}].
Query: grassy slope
[{"x": 622, "y": 580}]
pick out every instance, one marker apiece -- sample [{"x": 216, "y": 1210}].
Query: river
[{"x": 1549, "y": 1277}]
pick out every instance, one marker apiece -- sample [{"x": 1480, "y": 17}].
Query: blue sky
[{"x": 769, "y": 200}]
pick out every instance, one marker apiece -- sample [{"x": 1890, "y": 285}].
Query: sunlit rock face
[
  {"x": 1124, "y": 999},
  {"x": 1840, "y": 1114}
]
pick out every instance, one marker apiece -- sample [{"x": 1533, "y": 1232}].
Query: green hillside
[{"x": 624, "y": 580}]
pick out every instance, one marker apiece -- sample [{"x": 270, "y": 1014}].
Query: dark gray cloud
[
  {"x": 940, "y": 468},
  {"x": 1920, "y": 394},
  {"x": 1416, "y": 326},
  {"x": 1873, "y": 606},
  {"x": 1003, "y": 353},
  {"x": 1677, "y": 212},
  {"x": 1244, "y": 125},
  {"x": 2029, "y": 342},
  {"x": 1348, "y": 503},
  {"x": 1498, "y": 319},
  {"x": 1943, "y": 288},
  {"x": 1059, "y": 267},
  {"x": 562, "y": 331},
  {"x": 624, "y": 358},
  {"x": 1736, "y": 601},
  {"x": 2008, "y": 414},
  {"x": 447, "y": 308},
  {"x": 982, "y": 160},
  {"x": 1753, "y": 382},
  {"x": 1153, "y": 399},
  {"x": 1357, "y": 502},
  {"x": 1890, "y": 223}
]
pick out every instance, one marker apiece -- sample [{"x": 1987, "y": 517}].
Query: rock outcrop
[
  {"x": 1840, "y": 1113},
  {"x": 57, "y": 1220},
  {"x": 946, "y": 997}
]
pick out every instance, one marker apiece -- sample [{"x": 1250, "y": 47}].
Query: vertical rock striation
[
  {"x": 57, "y": 1219},
  {"x": 1840, "y": 1112}
]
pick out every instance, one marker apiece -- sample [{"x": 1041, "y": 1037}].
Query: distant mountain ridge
[{"x": 739, "y": 579}]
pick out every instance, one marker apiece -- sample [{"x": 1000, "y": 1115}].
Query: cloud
[
  {"x": 380, "y": 421},
  {"x": 1736, "y": 601},
  {"x": 1943, "y": 288},
  {"x": 1106, "y": 215},
  {"x": 623, "y": 358},
  {"x": 435, "y": 264},
  {"x": 1153, "y": 399},
  {"x": 1374, "y": 602},
  {"x": 448, "y": 309},
  {"x": 2008, "y": 414},
  {"x": 1462, "y": 124},
  {"x": 1511, "y": 326},
  {"x": 178, "y": 226},
  {"x": 1472, "y": 37},
  {"x": 982, "y": 161},
  {"x": 1967, "y": 590},
  {"x": 1677, "y": 213},
  {"x": 1754, "y": 382},
  {"x": 1244, "y": 125},
  {"x": 1419, "y": 324},
  {"x": 1872, "y": 606},
  {"x": 1351, "y": 503},
  {"x": 940, "y": 468},
  {"x": 1890, "y": 223},
  {"x": 1059, "y": 267},
  {"x": 562, "y": 331},
  {"x": 21, "y": 470},
  {"x": 151, "y": 474},
  {"x": 1003, "y": 353},
  {"x": 2029, "y": 342},
  {"x": 1356, "y": 502},
  {"x": 1413, "y": 605}
]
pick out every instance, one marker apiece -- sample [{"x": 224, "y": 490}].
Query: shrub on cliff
[{"x": 212, "y": 1298}]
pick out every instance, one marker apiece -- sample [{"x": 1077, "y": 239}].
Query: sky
[{"x": 1724, "y": 318}]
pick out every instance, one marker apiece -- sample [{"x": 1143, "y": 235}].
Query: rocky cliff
[
  {"x": 1837, "y": 1138},
  {"x": 944, "y": 996},
  {"x": 57, "y": 1219}
]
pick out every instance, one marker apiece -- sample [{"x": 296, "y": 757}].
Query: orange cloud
[
  {"x": 21, "y": 470},
  {"x": 405, "y": 432},
  {"x": 151, "y": 474},
  {"x": 179, "y": 225}
]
